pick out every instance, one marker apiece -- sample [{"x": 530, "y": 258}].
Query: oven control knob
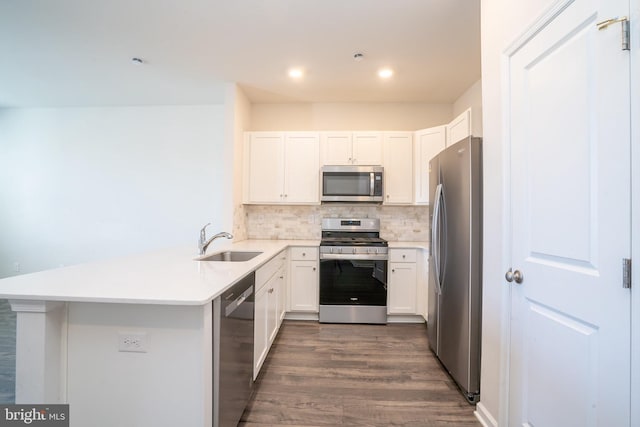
[
  {"x": 331, "y": 250},
  {"x": 354, "y": 250},
  {"x": 339, "y": 250}
]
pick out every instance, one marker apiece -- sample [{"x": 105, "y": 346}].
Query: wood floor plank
[{"x": 354, "y": 375}]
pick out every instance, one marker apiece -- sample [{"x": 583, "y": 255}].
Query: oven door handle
[{"x": 362, "y": 257}]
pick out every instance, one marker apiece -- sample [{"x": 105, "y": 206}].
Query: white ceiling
[{"x": 78, "y": 52}]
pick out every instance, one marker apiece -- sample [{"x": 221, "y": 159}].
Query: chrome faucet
[{"x": 203, "y": 243}]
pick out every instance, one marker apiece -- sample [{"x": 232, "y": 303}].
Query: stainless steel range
[{"x": 353, "y": 271}]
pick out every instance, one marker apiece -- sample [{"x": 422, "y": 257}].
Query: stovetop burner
[
  {"x": 353, "y": 241},
  {"x": 351, "y": 232}
]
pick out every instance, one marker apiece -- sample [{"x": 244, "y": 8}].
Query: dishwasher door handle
[{"x": 235, "y": 304}]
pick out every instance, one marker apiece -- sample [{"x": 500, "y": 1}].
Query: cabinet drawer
[
  {"x": 402, "y": 255},
  {"x": 264, "y": 273},
  {"x": 304, "y": 254}
]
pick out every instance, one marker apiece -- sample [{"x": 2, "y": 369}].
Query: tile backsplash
[{"x": 397, "y": 223}]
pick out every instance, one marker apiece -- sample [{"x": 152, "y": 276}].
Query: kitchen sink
[{"x": 231, "y": 256}]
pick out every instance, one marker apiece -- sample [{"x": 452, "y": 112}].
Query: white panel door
[
  {"x": 367, "y": 148},
  {"x": 302, "y": 168},
  {"x": 398, "y": 168},
  {"x": 403, "y": 289},
  {"x": 336, "y": 148},
  {"x": 570, "y": 212},
  {"x": 304, "y": 286},
  {"x": 266, "y": 167},
  {"x": 459, "y": 128},
  {"x": 428, "y": 143}
]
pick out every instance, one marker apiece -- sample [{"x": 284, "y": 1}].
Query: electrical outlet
[
  {"x": 16, "y": 267},
  {"x": 132, "y": 341}
]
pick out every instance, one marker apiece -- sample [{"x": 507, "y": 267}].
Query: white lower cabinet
[
  {"x": 303, "y": 283},
  {"x": 268, "y": 307},
  {"x": 402, "y": 296}
]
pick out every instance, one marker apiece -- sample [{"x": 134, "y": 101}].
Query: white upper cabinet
[
  {"x": 265, "y": 168},
  {"x": 336, "y": 148},
  {"x": 459, "y": 128},
  {"x": 302, "y": 168},
  {"x": 398, "y": 168},
  {"x": 352, "y": 148},
  {"x": 428, "y": 143},
  {"x": 282, "y": 168},
  {"x": 367, "y": 148}
]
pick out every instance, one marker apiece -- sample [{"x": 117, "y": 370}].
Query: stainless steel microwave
[{"x": 352, "y": 184}]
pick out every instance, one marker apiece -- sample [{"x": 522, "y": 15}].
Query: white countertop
[{"x": 169, "y": 277}]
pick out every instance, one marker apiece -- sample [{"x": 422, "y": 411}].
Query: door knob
[{"x": 514, "y": 276}]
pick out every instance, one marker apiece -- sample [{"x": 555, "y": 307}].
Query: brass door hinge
[{"x": 624, "y": 21}]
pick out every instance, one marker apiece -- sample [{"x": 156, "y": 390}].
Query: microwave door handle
[{"x": 371, "y": 183}]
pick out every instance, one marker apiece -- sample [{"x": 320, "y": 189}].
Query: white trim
[
  {"x": 34, "y": 306},
  {"x": 485, "y": 418},
  {"x": 405, "y": 318},
  {"x": 634, "y": 14},
  {"x": 505, "y": 318},
  {"x": 300, "y": 315}
]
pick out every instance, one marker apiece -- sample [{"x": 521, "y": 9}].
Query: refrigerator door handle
[{"x": 435, "y": 235}]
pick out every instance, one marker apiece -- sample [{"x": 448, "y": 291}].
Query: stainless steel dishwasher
[{"x": 233, "y": 352}]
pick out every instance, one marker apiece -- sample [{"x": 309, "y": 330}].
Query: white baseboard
[
  {"x": 484, "y": 416},
  {"x": 293, "y": 315},
  {"x": 404, "y": 318}
]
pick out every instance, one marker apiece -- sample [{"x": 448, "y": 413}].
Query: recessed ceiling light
[
  {"x": 385, "y": 73},
  {"x": 296, "y": 73}
]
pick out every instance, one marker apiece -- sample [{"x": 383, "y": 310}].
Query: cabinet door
[
  {"x": 260, "y": 337},
  {"x": 398, "y": 168},
  {"x": 336, "y": 148},
  {"x": 266, "y": 167},
  {"x": 402, "y": 288},
  {"x": 459, "y": 128},
  {"x": 428, "y": 143},
  {"x": 302, "y": 168},
  {"x": 304, "y": 286},
  {"x": 367, "y": 148},
  {"x": 273, "y": 293},
  {"x": 282, "y": 294}
]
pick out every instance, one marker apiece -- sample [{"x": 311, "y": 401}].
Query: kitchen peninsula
[{"x": 69, "y": 321}]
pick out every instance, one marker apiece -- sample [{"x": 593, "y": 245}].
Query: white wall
[
  {"x": 237, "y": 121},
  {"x": 348, "y": 116},
  {"x": 471, "y": 98},
  {"x": 79, "y": 184},
  {"x": 502, "y": 21}
]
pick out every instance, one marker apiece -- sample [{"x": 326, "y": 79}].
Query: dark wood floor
[{"x": 354, "y": 375}]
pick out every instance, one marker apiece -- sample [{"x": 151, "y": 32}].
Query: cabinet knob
[
  {"x": 404, "y": 256},
  {"x": 304, "y": 254},
  {"x": 393, "y": 270},
  {"x": 282, "y": 277},
  {"x": 314, "y": 269}
]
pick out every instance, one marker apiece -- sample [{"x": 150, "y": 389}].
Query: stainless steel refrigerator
[{"x": 455, "y": 262}]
